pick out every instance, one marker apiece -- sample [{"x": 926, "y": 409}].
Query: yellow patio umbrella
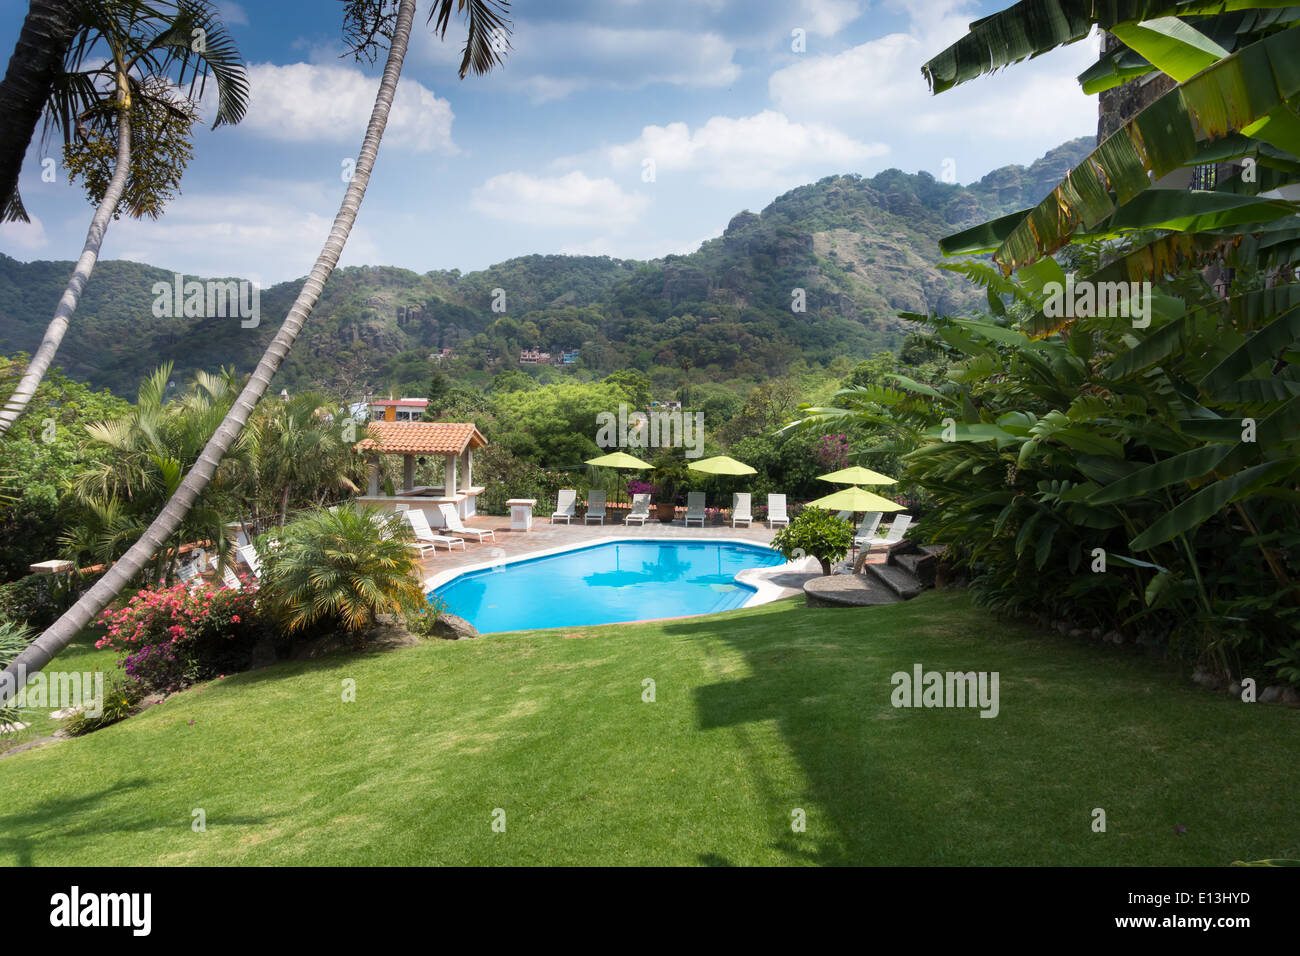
[
  {"x": 722, "y": 465},
  {"x": 858, "y": 475},
  {"x": 619, "y": 459},
  {"x": 855, "y": 499}
]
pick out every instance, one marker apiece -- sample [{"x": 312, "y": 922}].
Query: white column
[
  {"x": 449, "y": 473},
  {"x": 408, "y": 472}
]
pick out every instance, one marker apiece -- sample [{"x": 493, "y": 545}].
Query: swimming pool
[{"x": 606, "y": 583}]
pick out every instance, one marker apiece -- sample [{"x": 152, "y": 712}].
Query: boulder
[
  {"x": 1270, "y": 695},
  {"x": 449, "y": 627}
]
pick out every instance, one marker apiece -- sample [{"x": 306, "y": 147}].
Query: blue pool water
[{"x": 618, "y": 581}]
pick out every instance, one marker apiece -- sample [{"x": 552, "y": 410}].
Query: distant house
[
  {"x": 569, "y": 357},
  {"x": 666, "y": 406},
  {"x": 443, "y": 355},
  {"x": 397, "y": 409},
  {"x": 534, "y": 357}
]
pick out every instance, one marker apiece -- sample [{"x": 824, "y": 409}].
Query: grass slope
[{"x": 757, "y": 713}]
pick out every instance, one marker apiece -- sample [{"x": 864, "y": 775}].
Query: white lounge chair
[
  {"x": 897, "y": 527},
  {"x": 424, "y": 536},
  {"x": 230, "y": 580},
  {"x": 695, "y": 511},
  {"x": 866, "y": 532},
  {"x": 564, "y": 505},
  {"x": 741, "y": 509},
  {"x": 776, "y": 513},
  {"x": 249, "y": 554},
  {"x": 640, "y": 510},
  {"x": 844, "y": 515},
  {"x": 595, "y": 507},
  {"x": 451, "y": 518}
]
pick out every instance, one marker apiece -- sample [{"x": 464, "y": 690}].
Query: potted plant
[{"x": 669, "y": 475}]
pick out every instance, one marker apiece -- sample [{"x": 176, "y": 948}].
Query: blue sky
[{"x": 549, "y": 154}]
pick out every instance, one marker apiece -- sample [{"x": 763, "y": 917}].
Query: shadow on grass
[
  {"x": 806, "y": 672},
  {"x": 21, "y": 833}
]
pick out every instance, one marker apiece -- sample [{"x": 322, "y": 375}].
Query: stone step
[
  {"x": 920, "y": 565},
  {"x": 847, "y": 590},
  {"x": 901, "y": 582}
]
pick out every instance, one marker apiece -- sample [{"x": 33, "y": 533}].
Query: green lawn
[{"x": 758, "y": 713}]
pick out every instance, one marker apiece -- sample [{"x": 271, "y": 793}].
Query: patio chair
[
  {"x": 595, "y": 507},
  {"x": 249, "y": 554},
  {"x": 640, "y": 510},
  {"x": 695, "y": 502},
  {"x": 230, "y": 579},
  {"x": 564, "y": 505},
  {"x": 741, "y": 509},
  {"x": 896, "y": 530},
  {"x": 866, "y": 532},
  {"x": 776, "y": 513},
  {"x": 424, "y": 536},
  {"x": 451, "y": 518}
]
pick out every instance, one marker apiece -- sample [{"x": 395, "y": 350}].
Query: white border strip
[{"x": 765, "y": 590}]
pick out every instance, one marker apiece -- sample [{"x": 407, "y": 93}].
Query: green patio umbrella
[
  {"x": 858, "y": 475},
  {"x": 722, "y": 465},
  {"x": 619, "y": 459},
  {"x": 855, "y": 499}
]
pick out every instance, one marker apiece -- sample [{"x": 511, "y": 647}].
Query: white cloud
[
  {"x": 319, "y": 103},
  {"x": 549, "y": 61},
  {"x": 879, "y": 83},
  {"x": 232, "y": 14},
  {"x": 763, "y": 150},
  {"x": 266, "y": 231},
  {"x": 573, "y": 199},
  {"x": 827, "y": 17},
  {"x": 25, "y": 236}
]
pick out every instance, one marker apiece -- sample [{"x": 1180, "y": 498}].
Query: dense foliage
[{"x": 815, "y": 533}]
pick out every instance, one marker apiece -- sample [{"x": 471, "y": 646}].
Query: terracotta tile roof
[{"x": 421, "y": 438}]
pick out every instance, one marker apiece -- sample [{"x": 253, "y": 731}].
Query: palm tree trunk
[
  {"x": 36, "y": 62},
  {"x": 40, "y": 363},
  {"x": 61, "y": 632}
]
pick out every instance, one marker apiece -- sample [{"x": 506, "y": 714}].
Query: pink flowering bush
[{"x": 170, "y": 637}]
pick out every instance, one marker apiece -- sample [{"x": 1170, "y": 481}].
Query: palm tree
[
  {"x": 298, "y": 448},
  {"x": 36, "y": 62},
  {"x": 152, "y": 446},
  {"x": 341, "y": 568},
  {"x": 482, "y": 50},
  {"x": 137, "y": 38}
]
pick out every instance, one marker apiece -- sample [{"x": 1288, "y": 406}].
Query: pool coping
[{"x": 759, "y": 579}]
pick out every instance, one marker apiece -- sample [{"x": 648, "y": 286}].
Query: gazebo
[{"x": 454, "y": 442}]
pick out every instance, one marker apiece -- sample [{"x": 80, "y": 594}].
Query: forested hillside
[{"x": 861, "y": 249}]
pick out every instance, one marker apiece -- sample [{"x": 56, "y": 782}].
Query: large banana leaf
[
  {"x": 1034, "y": 27},
  {"x": 1173, "y": 46},
  {"x": 1206, "y": 503},
  {"x": 1180, "y": 469},
  {"x": 1227, "y": 31},
  {"x": 1264, "y": 345},
  {"x": 1236, "y": 92}
]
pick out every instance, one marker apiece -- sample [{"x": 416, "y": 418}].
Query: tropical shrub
[
  {"x": 338, "y": 570},
  {"x": 14, "y": 638},
  {"x": 171, "y": 637},
  {"x": 422, "y": 621},
  {"x": 121, "y": 697},
  {"x": 815, "y": 533}
]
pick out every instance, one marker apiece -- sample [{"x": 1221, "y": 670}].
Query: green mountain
[{"x": 860, "y": 249}]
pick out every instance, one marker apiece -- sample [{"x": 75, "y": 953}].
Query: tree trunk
[
  {"x": 40, "y": 363},
  {"x": 61, "y": 632},
  {"x": 36, "y": 62}
]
